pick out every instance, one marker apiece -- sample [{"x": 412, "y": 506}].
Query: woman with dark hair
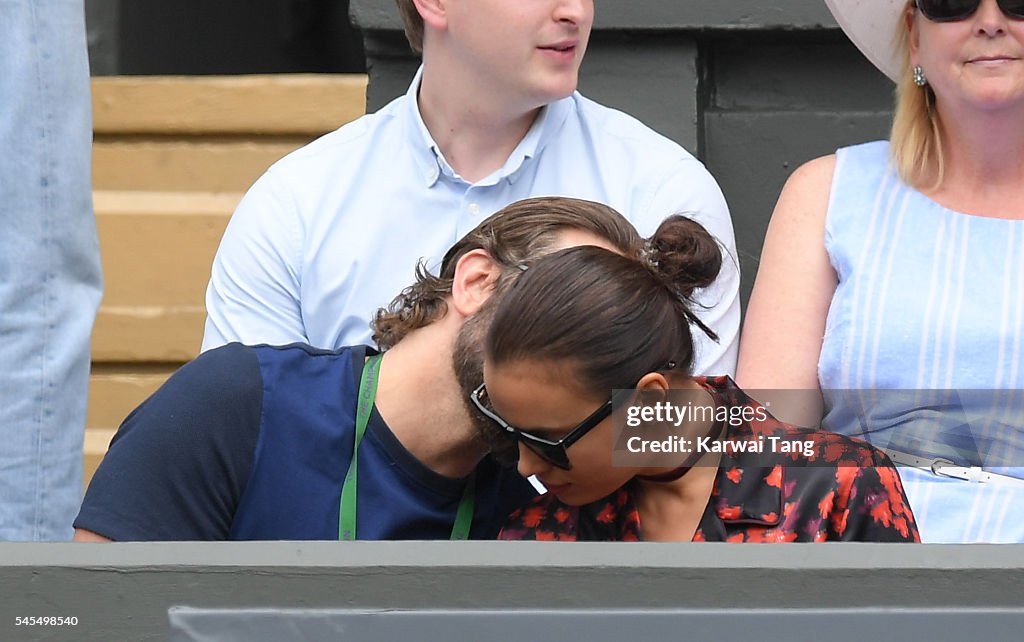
[{"x": 584, "y": 322}]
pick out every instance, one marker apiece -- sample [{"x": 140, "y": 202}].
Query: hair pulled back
[
  {"x": 512, "y": 236},
  {"x": 613, "y": 318}
]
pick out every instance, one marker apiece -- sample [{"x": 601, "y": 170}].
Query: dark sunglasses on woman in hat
[{"x": 953, "y": 10}]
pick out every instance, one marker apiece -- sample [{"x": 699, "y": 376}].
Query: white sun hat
[{"x": 871, "y": 25}]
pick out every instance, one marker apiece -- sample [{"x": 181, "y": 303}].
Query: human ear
[
  {"x": 433, "y": 12},
  {"x": 913, "y": 34},
  {"x": 653, "y": 382},
  {"x": 476, "y": 274}
]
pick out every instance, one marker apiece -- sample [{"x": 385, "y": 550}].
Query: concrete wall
[
  {"x": 754, "y": 89},
  {"x": 197, "y": 37},
  {"x": 103, "y": 19},
  {"x": 123, "y": 591}
]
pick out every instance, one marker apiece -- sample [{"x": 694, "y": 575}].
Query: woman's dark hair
[
  {"x": 614, "y": 318},
  {"x": 512, "y": 236}
]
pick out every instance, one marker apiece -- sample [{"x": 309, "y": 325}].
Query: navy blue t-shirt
[{"x": 254, "y": 443}]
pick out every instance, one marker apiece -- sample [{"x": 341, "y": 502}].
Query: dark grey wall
[
  {"x": 103, "y": 18},
  {"x": 123, "y": 591},
  {"x": 194, "y": 37},
  {"x": 776, "y": 100},
  {"x": 752, "y": 88}
]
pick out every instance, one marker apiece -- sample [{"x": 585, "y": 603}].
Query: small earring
[{"x": 919, "y": 78}]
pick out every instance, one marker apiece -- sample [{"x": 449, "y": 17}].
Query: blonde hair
[
  {"x": 915, "y": 141},
  {"x": 413, "y": 22}
]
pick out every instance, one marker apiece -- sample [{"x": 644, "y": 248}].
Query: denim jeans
[{"x": 50, "y": 281}]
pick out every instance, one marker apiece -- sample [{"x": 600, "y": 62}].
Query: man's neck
[
  {"x": 475, "y": 131},
  {"x": 418, "y": 396}
]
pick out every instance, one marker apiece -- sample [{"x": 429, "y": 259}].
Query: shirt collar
[
  {"x": 424, "y": 149},
  {"x": 544, "y": 129},
  {"x": 431, "y": 160}
]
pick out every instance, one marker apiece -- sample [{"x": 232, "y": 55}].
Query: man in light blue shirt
[{"x": 328, "y": 233}]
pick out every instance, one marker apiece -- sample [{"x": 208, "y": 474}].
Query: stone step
[
  {"x": 278, "y": 104},
  {"x": 171, "y": 159},
  {"x": 199, "y": 164},
  {"x": 157, "y": 249}
]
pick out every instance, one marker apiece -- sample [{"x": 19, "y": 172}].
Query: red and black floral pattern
[{"x": 846, "y": 491}]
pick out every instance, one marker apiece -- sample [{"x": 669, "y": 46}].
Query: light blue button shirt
[
  {"x": 922, "y": 348},
  {"x": 333, "y": 231}
]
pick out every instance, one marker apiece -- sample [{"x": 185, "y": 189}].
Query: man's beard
[{"x": 468, "y": 361}]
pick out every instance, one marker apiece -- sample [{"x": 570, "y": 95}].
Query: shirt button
[{"x": 474, "y": 209}]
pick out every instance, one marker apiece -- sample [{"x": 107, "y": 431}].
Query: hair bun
[{"x": 684, "y": 254}]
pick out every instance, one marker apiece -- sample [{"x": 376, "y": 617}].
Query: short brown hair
[
  {"x": 613, "y": 318},
  {"x": 512, "y": 236},
  {"x": 413, "y": 22}
]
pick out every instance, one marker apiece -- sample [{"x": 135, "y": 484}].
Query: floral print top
[{"x": 847, "y": 490}]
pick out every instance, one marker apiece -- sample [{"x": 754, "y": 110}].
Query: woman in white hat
[{"x": 893, "y": 269}]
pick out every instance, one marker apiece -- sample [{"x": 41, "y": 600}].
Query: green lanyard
[{"x": 347, "y": 507}]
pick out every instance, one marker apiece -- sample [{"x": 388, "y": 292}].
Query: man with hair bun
[
  {"x": 258, "y": 443},
  {"x": 491, "y": 117}
]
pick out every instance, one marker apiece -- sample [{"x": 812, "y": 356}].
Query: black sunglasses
[
  {"x": 553, "y": 452},
  {"x": 953, "y": 10}
]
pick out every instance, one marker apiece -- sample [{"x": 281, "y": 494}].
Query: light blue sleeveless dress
[{"x": 924, "y": 342}]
